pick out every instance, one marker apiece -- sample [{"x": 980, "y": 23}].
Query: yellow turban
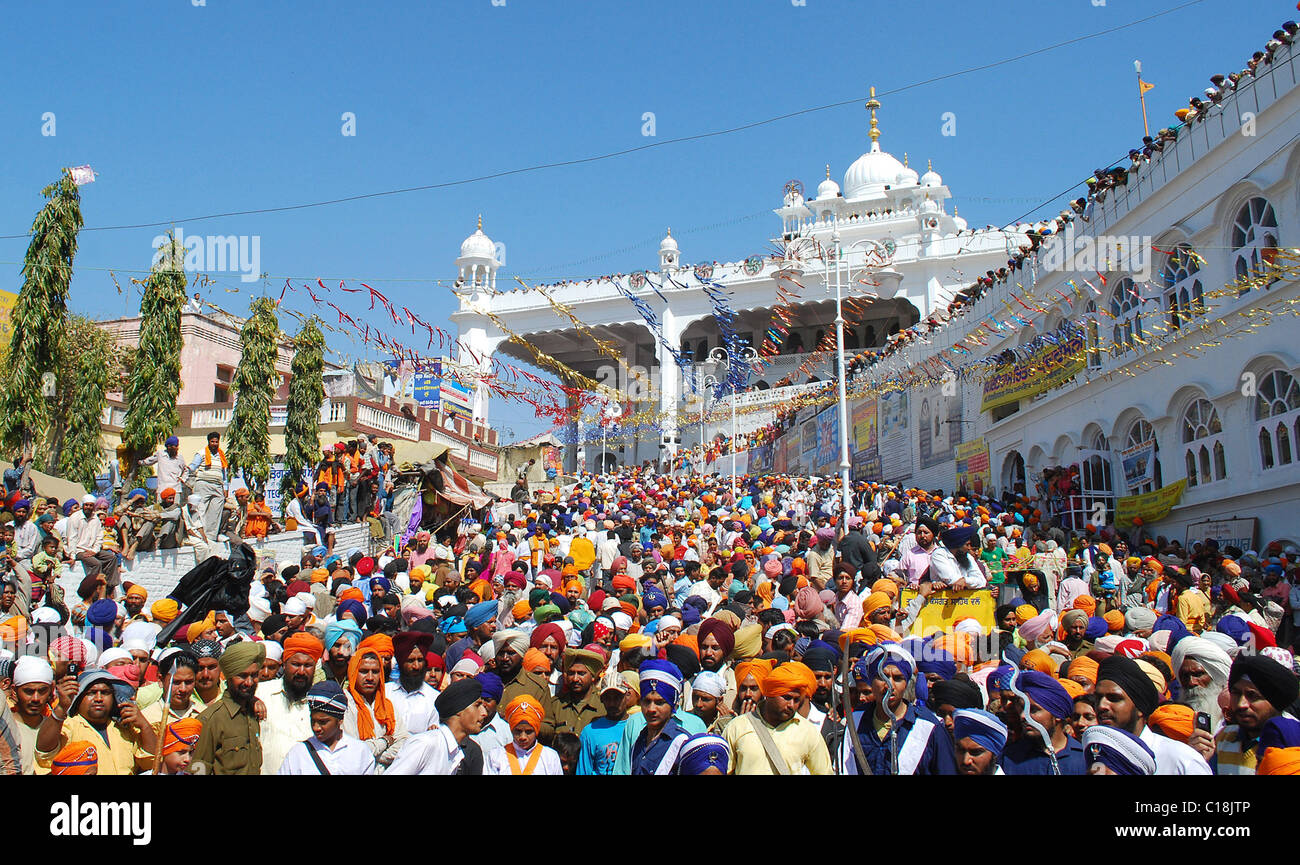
[
  {"x": 749, "y": 642},
  {"x": 1025, "y": 612},
  {"x": 165, "y": 610},
  {"x": 888, "y": 586},
  {"x": 875, "y": 601},
  {"x": 138, "y": 591}
]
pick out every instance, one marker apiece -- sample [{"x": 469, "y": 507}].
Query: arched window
[
  {"x": 1093, "y": 337},
  {"x": 851, "y": 339},
  {"x": 1254, "y": 238},
  {"x": 1126, "y": 307},
  {"x": 1141, "y": 431},
  {"x": 1013, "y": 473},
  {"x": 1202, "y": 434},
  {"x": 1277, "y": 418},
  {"x": 1184, "y": 295}
]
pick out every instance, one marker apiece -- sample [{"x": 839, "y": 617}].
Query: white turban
[
  {"x": 274, "y": 650},
  {"x": 1205, "y": 652},
  {"x": 140, "y": 636},
  {"x": 295, "y": 607},
  {"x": 259, "y": 609},
  {"x": 710, "y": 683},
  {"x": 29, "y": 669},
  {"x": 45, "y": 615}
]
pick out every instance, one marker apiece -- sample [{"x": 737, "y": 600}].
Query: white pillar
[
  {"x": 483, "y": 345},
  {"x": 669, "y": 377}
]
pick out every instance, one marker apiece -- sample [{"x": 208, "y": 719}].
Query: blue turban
[
  {"x": 356, "y": 608},
  {"x": 69, "y": 506},
  {"x": 453, "y": 625},
  {"x": 1174, "y": 625},
  {"x": 654, "y": 598},
  {"x": 690, "y": 614},
  {"x": 1233, "y": 626},
  {"x": 983, "y": 727},
  {"x": 24, "y": 503},
  {"x": 144, "y": 494},
  {"x": 957, "y": 536},
  {"x": 1118, "y": 750},
  {"x": 661, "y": 677},
  {"x": 172, "y": 441},
  {"x": 871, "y": 665},
  {"x": 700, "y": 752},
  {"x": 319, "y": 551},
  {"x": 558, "y": 600},
  {"x": 938, "y": 663},
  {"x": 345, "y": 628},
  {"x": 330, "y": 561},
  {"x": 100, "y": 637},
  {"x": 481, "y": 614},
  {"x": 381, "y": 582},
  {"x": 102, "y": 612},
  {"x": 1001, "y": 677},
  {"x": 1097, "y": 627},
  {"x": 493, "y": 687},
  {"x": 327, "y": 697},
  {"x": 1047, "y": 692}
]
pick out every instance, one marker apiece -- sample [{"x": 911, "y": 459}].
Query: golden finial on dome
[
  {"x": 480, "y": 222},
  {"x": 670, "y": 232},
  {"x": 828, "y": 171},
  {"x": 873, "y": 104},
  {"x": 929, "y": 165}
]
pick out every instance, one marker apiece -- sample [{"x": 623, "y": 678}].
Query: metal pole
[
  {"x": 845, "y": 465},
  {"x": 734, "y": 497},
  {"x": 602, "y": 446}
]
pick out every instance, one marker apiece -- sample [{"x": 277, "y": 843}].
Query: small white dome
[
  {"x": 871, "y": 173},
  {"x": 827, "y": 188},
  {"x": 931, "y": 177},
  {"x": 668, "y": 244},
  {"x": 906, "y": 177},
  {"x": 929, "y": 205},
  {"x": 478, "y": 244}
]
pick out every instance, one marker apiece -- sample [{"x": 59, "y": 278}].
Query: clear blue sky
[{"x": 236, "y": 105}]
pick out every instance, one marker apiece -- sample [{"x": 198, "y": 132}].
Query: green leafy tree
[
  {"x": 38, "y": 317},
  {"x": 306, "y": 393},
  {"x": 254, "y": 386},
  {"x": 155, "y": 382},
  {"x": 89, "y": 364}
]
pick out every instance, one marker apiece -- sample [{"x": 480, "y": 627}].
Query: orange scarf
[
  {"x": 207, "y": 458},
  {"x": 383, "y": 707}
]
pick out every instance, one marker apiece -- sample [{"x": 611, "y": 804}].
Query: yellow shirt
[
  {"x": 116, "y": 756},
  {"x": 1194, "y": 609},
  {"x": 799, "y": 741}
]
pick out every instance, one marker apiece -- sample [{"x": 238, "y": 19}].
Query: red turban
[
  {"x": 550, "y": 629},
  {"x": 721, "y": 632}
]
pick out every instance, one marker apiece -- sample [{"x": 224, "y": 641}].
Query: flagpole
[{"x": 1142, "y": 97}]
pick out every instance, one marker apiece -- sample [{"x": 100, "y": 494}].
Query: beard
[
  {"x": 1204, "y": 699},
  {"x": 296, "y": 687},
  {"x": 411, "y": 681}
]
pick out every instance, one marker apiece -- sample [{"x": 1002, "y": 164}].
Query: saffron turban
[
  {"x": 1025, "y": 612},
  {"x": 980, "y": 726},
  {"x": 1039, "y": 661},
  {"x": 138, "y": 591},
  {"x": 181, "y": 734},
  {"x": 792, "y": 676},
  {"x": 1084, "y": 668},
  {"x": 524, "y": 709},
  {"x": 1174, "y": 720},
  {"x": 238, "y": 657},
  {"x": 875, "y": 601},
  {"x": 301, "y": 642},
  {"x": 381, "y": 709},
  {"x": 888, "y": 586},
  {"x": 1279, "y": 761},
  {"x": 1047, "y": 692},
  {"x": 75, "y": 758},
  {"x": 380, "y": 644},
  {"x": 1118, "y": 750},
  {"x": 535, "y": 661},
  {"x": 760, "y": 670},
  {"x": 1087, "y": 603},
  {"x": 1073, "y": 688}
]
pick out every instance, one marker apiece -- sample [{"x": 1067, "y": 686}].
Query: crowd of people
[{"x": 640, "y": 623}]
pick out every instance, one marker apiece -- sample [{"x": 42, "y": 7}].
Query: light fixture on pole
[
  {"x": 721, "y": 356},
  {"x": 706, "y": 385}
]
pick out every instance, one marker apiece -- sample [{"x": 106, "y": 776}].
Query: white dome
[
  {"x": 827, "y": 188},
  {"x": 931, "y": 178},
  {"x": 668, "y": 244},
  {"x": 929, "y": 205},
  {"x": 906, "y": 177},
  {"x": 478, "y": 245},
  {"x": 871, "y": 173}
]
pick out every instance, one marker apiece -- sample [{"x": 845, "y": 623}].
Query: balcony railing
[{"x": 387, "y": 422}]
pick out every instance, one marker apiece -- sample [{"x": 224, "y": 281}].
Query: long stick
[{"x": 162, "y": 725}]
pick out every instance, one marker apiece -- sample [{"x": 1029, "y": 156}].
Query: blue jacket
[{"x": 937, "y": 759}]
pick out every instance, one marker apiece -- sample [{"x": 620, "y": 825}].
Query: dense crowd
[{"x": 638, "y": 623}]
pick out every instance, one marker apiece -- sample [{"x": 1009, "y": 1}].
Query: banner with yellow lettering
[
  {"x": 1044, "y": 369},
  {"x": 944, "y": 608},
  {"x": 1151, "y": 506}
]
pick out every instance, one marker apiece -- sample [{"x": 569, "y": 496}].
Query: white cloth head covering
[
  {"x": 1207, "y": 653},
  {"x": 295, "y": 607},
  {"x": 45, "y": 615},
  {"x": 710, "y": 683},
  {"x": 113, "y": 656},
  {"x": 274, "y": 650},
  {"x": 140, "y": 636},
  {"x": 29, "y": 669}
]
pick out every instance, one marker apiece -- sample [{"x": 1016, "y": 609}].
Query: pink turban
[
  {"x": 1039, "y": 626},
  {"x": 807, "y": 605}
]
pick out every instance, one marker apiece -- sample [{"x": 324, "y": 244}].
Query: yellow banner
[
  {"x": 7, "y": 301},
  {"x": 944, "y": 608},
  {"x": 1151, "y": 506},
  {"x": 973, "y": 471},
  {"x": 1046, "y": 368}
]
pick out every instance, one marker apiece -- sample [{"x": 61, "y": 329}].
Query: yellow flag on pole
[{"x": 1144, "y": 87}]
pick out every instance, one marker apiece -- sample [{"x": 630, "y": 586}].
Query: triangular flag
[{"x": 1144, "y": 87}]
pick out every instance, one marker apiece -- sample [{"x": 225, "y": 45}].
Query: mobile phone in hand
[{"x": 1203, "y": 721}]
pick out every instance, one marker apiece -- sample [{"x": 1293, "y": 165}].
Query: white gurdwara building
[{"x": 1175, "y": 385}]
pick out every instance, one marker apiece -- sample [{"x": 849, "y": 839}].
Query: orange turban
[
  {"x": 138, "y": 591},
  {"x": 885, "y": 634},
  {"x": 760, "y": 670},
  {"x": 857, "y": 635},
  {"x": 524, "y": 708},
  {"x": 535, "y": 661},
  {"x": 352, "y": 593},
  {"x": 1174, "y": 721},
  {"x": 301, "y": 642},
  {"x": 195, "y": 631},
  {"x": 165, "y": 610},
  {"x": 1040, "y": 661},
  {"x": 689, "y": 641},
  {"x": 382, "y": 708},
  {"x": 765, "y": 592},
  {"x": 76, "y": 758},
  {"x": 959, "y": 646},
  {"x": 1087, "y": 603},
  {"x": 181, "y": 733},
  {"x": 1114, "y": 621},
  {"x": 521, "y": 610},
  {"x": 1279, "y": 761},
  {"x": 629, "y": 608},
  {"x": 380, "y": 644},
  {"x": 13, "y": 629},
  {"x": 573, "y": 584},
  {"x": 1073, "y": 688},
  {"x": 888, "y": 586},
  {"x": 320, "y": 575},
  {"x": 1025, "y": 612},
  {"x": 792, "y": 676},
  {"x": 1085, "y": 667},
  {"x": 875, "y": 601}
]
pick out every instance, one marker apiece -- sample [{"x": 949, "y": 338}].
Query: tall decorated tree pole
[
  {"x": 38, "y": 317},
  {"x": 90, "y": 364},
  {"x": 254, "y": 386},
  {"x": 306, "y": 394},
  {"x": 155, "y": 382}
]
